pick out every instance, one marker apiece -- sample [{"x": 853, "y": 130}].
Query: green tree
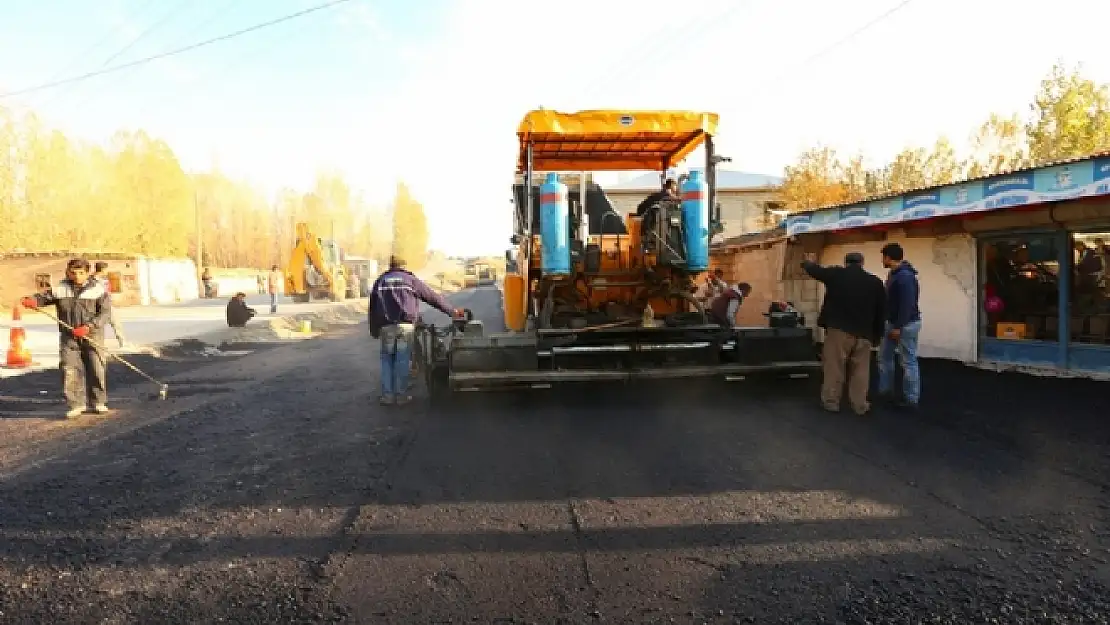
[{"x": 1070, "y": 117}]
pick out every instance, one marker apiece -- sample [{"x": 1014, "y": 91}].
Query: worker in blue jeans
[
  {"x": 394, "y": 308},
  {"x": 903, "y": 326}
]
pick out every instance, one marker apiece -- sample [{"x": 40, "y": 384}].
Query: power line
[
  {"x": 701, "y": 28},
  {"x": 157, "y": 57},
  {"x": 90, "y": 49},
  {"x": 855, "y": 33},
  {"x": 146, "y": 31}
]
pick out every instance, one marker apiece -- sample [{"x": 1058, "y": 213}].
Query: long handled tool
[{"x": 163, "y": 389}]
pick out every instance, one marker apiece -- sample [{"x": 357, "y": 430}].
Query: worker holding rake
[{"x": 82, "y": 306}]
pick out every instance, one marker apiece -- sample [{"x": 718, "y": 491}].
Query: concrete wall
[
  {"x": 143, "y": 281},
  {"x": 170, "y": 281},
  {"x": 758, "y": 265},
  {"x": 946, "y": 268},
  {"x": 742, "y": 211},
  {"x": 17, "y": 275}
]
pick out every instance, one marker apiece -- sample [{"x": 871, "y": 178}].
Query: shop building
[{"x": 1013, "y": 267}]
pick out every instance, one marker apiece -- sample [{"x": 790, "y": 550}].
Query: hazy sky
[{"x": 431, "y": 91}]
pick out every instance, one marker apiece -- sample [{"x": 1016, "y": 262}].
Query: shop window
[
  {"x": 42, "y": 282},
  {"x": 1090, "y": 296},
  {"x": 115, "y": 281},
  {"x": 1020, "y": 288}
]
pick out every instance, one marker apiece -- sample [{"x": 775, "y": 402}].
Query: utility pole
[{"x": 200, "y": 234}]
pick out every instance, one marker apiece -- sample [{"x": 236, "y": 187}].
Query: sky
[{"x": 431, "y": 92}]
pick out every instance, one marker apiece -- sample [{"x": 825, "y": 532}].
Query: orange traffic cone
[{"x": 19, "y": 357}]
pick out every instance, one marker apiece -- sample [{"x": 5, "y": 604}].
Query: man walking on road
[
  {"x": 81, "y": 303},
  {"x": 394, "y": 308},
  {"x": 903, "y": 325},
  {"x": 100, "y": 273},
  {"x": 274, "y": 286},
  {"x": 852, "y": 315}
]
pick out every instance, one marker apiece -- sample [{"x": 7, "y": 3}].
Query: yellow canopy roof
[{"x": 611, "y": 140}]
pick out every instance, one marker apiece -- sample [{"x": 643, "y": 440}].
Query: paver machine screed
[{"x": 593, "y": 295}]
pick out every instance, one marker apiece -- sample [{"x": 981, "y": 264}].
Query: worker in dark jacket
[
  {"x": 668, "y": 192},
  {"x": 238, "y": 313},
  {"x": 394, "y": 309},
  {"x": 852, "y": 316},
  {"x": 81, "y": 302},
  {"x": 903, "y": 326}
]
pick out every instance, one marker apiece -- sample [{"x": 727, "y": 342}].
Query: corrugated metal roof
[
  {"x": 752, "y": 238},
  {"x": 884, "y": 196},
  {"x": 727, "y": 180}
]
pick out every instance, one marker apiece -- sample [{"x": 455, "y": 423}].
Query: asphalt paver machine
[{"x": 593, "y": 295}]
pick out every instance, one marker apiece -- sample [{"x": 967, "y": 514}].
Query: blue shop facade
[{"x": 1038, "y": 246}]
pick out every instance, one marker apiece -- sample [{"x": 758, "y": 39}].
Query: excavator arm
[{"x": 309, "y": 254}]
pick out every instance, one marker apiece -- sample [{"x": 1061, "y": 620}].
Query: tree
[
  {"x": 1070, "y": 117},
  {"x": 816, "y": 180},
  {"x": 999, "y": 145},
  {"x": 410, "y": 228},
  {"x": 942, "y": 166}
]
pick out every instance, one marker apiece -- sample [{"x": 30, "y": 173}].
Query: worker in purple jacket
[{"x": 394, "y": 308}]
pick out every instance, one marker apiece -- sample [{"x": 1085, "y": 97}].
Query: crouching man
[
  {"x": 394, "y": 308},
  {"x": 81, "y": 303},
  {"x": 238, "y": 313}
]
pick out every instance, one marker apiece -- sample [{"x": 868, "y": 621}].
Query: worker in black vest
[{"x": 853, "y": 317}]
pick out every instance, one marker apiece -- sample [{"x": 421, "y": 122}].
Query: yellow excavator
[{"x": 315, "y": 269}]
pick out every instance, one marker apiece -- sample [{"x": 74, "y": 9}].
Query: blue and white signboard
[{"x": 1045, "y": 184}]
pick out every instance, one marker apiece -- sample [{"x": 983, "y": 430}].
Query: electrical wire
[
  {"x": 131, "y": 44},
  {"x": 245, "y": 58},
  {"x": 175, "y": 52},
  {"x": 850, "y": 36},
  {"x": 99, "y": 42},
  {"x": 146, "y": 31},
  {"x": 701, "y": 26}
]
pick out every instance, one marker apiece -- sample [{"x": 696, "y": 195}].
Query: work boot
[
  {"x": 100, "y": 409},
  {"x": 75, "y": 411}
]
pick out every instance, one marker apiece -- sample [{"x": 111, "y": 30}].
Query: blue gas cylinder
[
  {"x": 554, "y": 227},
  {"x": 695, "y": 221}
]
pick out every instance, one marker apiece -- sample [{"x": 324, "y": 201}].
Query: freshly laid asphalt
[{"x": 271, "y": 488}]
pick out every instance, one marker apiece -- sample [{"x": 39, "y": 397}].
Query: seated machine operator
[{"x": 669, "y": 190}]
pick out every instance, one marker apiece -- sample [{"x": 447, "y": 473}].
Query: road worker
[
  {"x": 724, "y": 306},
  {"x": 394, "y": 309},
  {"x": 852, "y": 316},
  {"x": 274, "y": 287},
  {"x": 903, "y": 327},
  {"x": 238, "y": 313},
  {"x": 81, "y": 302}
]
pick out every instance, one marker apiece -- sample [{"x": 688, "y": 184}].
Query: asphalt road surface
[{"x": 274, "y": 489}]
